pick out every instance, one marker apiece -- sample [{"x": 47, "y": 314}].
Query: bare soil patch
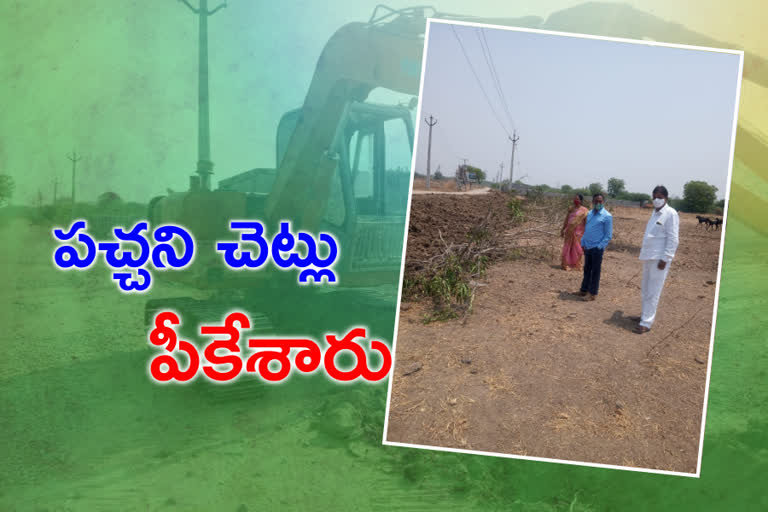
[{"x": 535, "y": 371}]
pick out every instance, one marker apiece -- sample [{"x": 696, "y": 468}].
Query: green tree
[
  {"x": 7, "y": 186},
  {"x": 583, "y": 191},
  {"x": 616, "y": 187},
  {"x": 479, "y": 174},
  {"x": 699, "y": 197},
  {"x": 595, "y": 188},
  {"x": 634, "y": 196},
  {"x": 438, "y": 175},
  {"x": 566, "y": 189}
]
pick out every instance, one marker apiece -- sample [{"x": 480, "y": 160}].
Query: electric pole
[
  {"x": 55, "y": 189},
  {"x": 514, "y": 140},
  {"x": 204, "y": 163},
  {"x": 430, "y": 122},
  {"x": 74, "y": 158},
  {"x": 501, "y": 173}
]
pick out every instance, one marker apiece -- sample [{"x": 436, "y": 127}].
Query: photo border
[{"x": 416, "y": 140}]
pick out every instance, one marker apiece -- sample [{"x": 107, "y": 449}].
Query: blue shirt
[{"x": 599, "y": 229}]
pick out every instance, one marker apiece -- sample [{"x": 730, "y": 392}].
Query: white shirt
[{"x": 661, "y": 235}]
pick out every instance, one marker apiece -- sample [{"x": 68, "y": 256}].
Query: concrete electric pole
[
  {"x": 55, "y": 190},
  {"x": 430, "y": 122},
  {"x": 204, "y": 163},
  {"x": 74, "y": 158},
  {"x": 514, "y": 140}
]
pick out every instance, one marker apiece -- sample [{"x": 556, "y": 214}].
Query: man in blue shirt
[{"x": 597, "y": 234}]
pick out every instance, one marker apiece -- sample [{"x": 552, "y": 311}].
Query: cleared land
[{"x": 535, "y": 371}]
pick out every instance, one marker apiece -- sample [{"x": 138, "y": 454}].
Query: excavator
[{"x": 333, "y": 175}]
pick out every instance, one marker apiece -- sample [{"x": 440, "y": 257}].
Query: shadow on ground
[
  {"x": 566, "y": 295},
  {"x": 619, "y": 319}
]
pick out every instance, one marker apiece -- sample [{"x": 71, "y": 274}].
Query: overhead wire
[
  {"x": 479, "y": 83},
  {"x": 495, "y": 75}
]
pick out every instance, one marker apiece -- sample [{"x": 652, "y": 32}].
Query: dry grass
[{"x": 552, "y": 376}]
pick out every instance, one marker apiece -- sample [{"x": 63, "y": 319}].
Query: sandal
[{"x": 641, "y": 330}]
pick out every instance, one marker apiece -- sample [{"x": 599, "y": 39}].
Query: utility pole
[
  {"x": 74, "y": 158},
  {"x": 501, "y": 173},
  {"x": 514, "y": 140},
  {"x": 204, "y": 163},
  {"x": 55, "y": 189},
  {"x": 430, "y": 122}
]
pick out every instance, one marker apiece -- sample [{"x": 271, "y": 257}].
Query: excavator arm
[
  {"x": 384, "y": 52},
  {"x": 358, "y": 58}
]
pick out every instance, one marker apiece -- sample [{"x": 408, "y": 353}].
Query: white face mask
[{"x": 658, "y": 203}]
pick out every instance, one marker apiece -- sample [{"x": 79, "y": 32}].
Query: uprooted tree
[{"x": 450, "y": 271}]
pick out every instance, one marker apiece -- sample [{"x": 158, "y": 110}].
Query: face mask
[
  {"x": 598, "y": 206},
  {"x": 658, "y": 203},
  {"x": 576, "y": 202}
]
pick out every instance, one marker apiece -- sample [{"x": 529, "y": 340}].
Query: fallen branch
[
  {"x": 633, "y": 277},
  {"x": 673, "y": 331}
]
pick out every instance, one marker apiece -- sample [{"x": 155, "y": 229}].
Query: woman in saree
[{"x": 573, "y": 230}]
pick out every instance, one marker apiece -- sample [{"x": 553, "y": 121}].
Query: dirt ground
[
  {"x": 444, "y": 186},
  {"x": 83, "y": 427},
  {"x": 535, "y": 371},
  {"x": 474, "y": 191}
]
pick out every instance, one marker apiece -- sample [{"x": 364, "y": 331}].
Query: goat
[{"x": 702, "y": 220}]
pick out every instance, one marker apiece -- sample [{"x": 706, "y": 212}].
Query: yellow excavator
[{"x": 333, "y": 159}]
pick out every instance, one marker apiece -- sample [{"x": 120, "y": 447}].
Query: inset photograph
[{"x": 559, "y": 288}]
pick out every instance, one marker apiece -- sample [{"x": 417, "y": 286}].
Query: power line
[
  {"x": 494, "y": 80},
  {"x": 493, "y": 110},
  {"x": 495, "y": 75}
]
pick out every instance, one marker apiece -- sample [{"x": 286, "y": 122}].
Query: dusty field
[
  {"x": 82, "y": 427},
  {"x": 445, "y": 185},
  {"x": 534, "y": 371},
  {"x": 474, "y": 191}
]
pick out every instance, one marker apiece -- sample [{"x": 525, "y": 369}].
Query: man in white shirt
[{"x": 659, "y": 246}]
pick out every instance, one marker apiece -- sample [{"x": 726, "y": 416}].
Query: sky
[
  {"x": 585, "y": 110},
  {"x": 117, "y": 82}
]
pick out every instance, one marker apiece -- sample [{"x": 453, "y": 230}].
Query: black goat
[{"x": 703, "y": 220}]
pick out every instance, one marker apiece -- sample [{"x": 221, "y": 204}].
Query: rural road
[{"x": 472, "y": 192}]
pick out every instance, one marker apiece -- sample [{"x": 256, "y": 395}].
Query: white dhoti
[{"x": 653, "y": 283}]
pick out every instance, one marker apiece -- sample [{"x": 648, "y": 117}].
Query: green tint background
[{"x": 81, "y": 426}]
